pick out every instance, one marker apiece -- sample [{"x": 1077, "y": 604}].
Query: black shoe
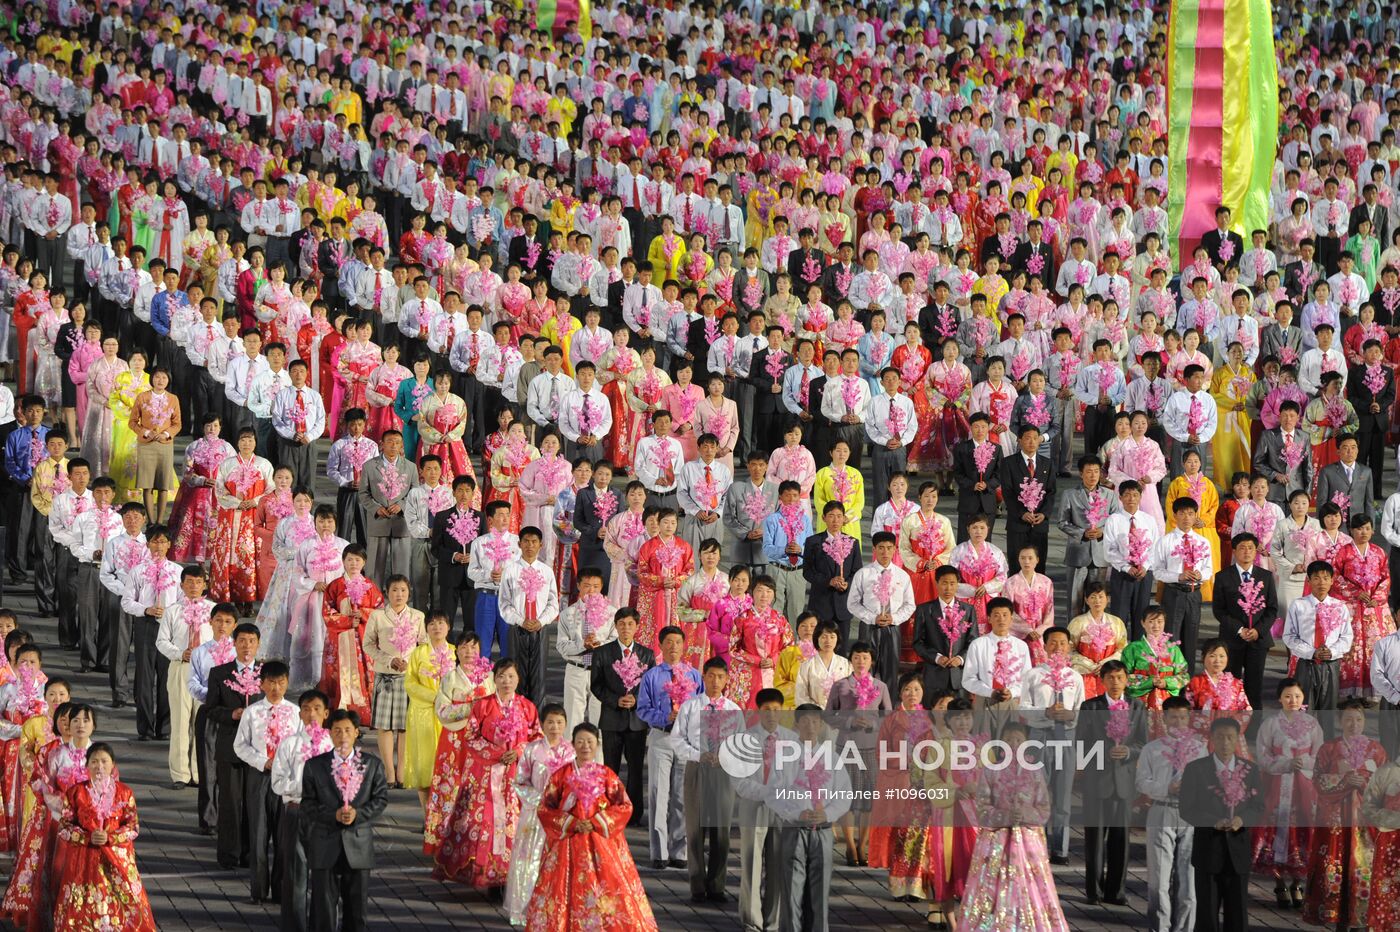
[
  {"x": 179, "y": 785},
  {"x": 101, "y": 668},
  {"x": 676, "y": 863},
  {"x": 143, "y": 737},
  {"x": 84, "y": 668},
  {"x": 206, "y": 830},
  {"x": 1297, "y": 895},
  {"x": 1281, "y": 896},
  {"x": 255, "y": 901},
  {"x": 1060, "y": 860},
  {"x": 1092, "y": 900},
  {"x": 657, "y": 865},
  {"x": 1119, "y": 900},
  {"x": 718, "y": 897},
  {"x": 118, "y": 703}
]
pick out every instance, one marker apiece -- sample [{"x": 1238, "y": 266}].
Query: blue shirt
[
  {"x": 653, "y": 702},
  {"x": 161, "y": 307},
  {"x": 775, "y": 539},
  {"x": 19, "y": 463}
]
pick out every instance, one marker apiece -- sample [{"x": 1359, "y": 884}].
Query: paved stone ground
[{"x": 188, "y": 893}]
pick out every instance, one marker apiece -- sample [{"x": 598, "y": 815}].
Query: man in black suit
[
  {"x": 1373, "y": 210},
  {"x": 1001, "y": 243},
  {"x": 1025, "y": 527},
  {"x": 616, "y": 290},
  {"x": 588, "y": 525},
  {"x": 340, "y": 834},
  {"x": 819, "y": 432},
  {"x": 224, "y": 706},
  {"x": 977, "y": 488},
  {"x": 1038, "y": 253},
  {"x": 1246, "y": 634},
  {"x": 798, "y": 268},
  {"x": 1214, "y": 241},
  {"x": 697, "y": 341},
  {"x": 827, "y": 583},
  {"x": 939, "y": 320},
  {"x": 768, "y": 411},
  {"x": 1221, "y": 848},
  {"x": 454, "y": 586},
  {"x": 1372, "y": 408},
  {"x": 1109, "y": 790},
  {"x": 837, "y": 277},
  {"x": 943, "y": 662},
  {"x": 519, "y": 252},
  {"x": 624, "y": 732}
]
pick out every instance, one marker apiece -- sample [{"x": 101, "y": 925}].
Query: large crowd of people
[{"x": 554, "y": 404}]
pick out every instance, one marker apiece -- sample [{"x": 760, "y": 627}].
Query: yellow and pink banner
[{"x": 1222, "y": 116}]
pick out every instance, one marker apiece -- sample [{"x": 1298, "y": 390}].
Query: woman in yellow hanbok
[
  {"x": 666, "y": 253},
  {"x": 562, "y": 110},
  {"x": 759, "y": 227},
  {"x": 785, "y": 674},
  {"x": 347, "y": 101},
  {"x": 1229, "y": 386},
  {"x": 698, "y": 265},
  {"x": 215, "y": 256},
  {"x": 125, "y": 388},
  {"x": 349, "y": 206},
  {"x": 835, "y": 225},
  {"x": 1196, "y": 486},
  {"x": 562, "y": 210},
  {"x": 427, "y": 664},
  {"x": 560, "y": 330},
  {"x": 853, "y": 496}
]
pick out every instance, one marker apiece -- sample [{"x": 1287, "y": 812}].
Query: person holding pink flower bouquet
[{"x": 1363, "y": 583}]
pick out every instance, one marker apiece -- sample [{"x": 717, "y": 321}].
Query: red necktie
[{"x": 1030, "y": 466}]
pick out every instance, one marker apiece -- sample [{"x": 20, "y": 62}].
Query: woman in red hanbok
[
  {"x": 925, "y": 542},
  {"x": 272, "y": 508},
  {"x": 507, "y": 464},
  {"x": 899, "y": 835},
  {"x": 358, "y": 362},
  {"x": 1380, "y": 809},
  {"x": 759, "y": 635},
  {"x": 613, "y": 369},
  {"x": 697, "y": 596},
  {"x": 663, "y": 563},
  {"x": 29, "y": 899},
  {"x": 981, "y": 570},
  {"x": 192, "y": 518},
  {"x": 953, "y": 823},
  {"x": 23, "y": 703},
  {"x": 949, "y": 385},
  {"x": 309, "y": 340},
  {"x": 96, "y": 883},
  {"x": 29, "y": 305},
  {"x": 238, "y": 485},
  {"x": 912, "y": 359},
  {"x": 475, "y": 847},
  {"x": 347, "y": 676},
  {"x": 383, "y": 385},
  {"x": 644, "y": 395},
  {"x": 331, "y": 386},
  {"x": 459, "y": 689},
  {"x": 444, "y": 421},
  {"x": 1363, "y": 582},
  {"x": 587, "y": 879},
  {"x": 1286, "y": 749},
  {"x": 1340, "y": 866}
]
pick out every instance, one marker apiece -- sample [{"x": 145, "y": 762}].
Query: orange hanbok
[{"x": 347, "y": 676}]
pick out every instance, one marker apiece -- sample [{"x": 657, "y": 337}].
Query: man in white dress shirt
[
  {"x": 242, "y": 371},
  {"x": 183, "y": 628},
  {"x": 299, "y": 419},
  {"x": 707, "y": 795},
  {"x": 658, "y": 462},
  {"x": 1190, "y": 418},
  {"x": 845, "y": 404},
  {"x": 997, "y": 662},
  {"x": 50, "y": 216},
  {"x": 1055, "y": 695},
  {"x": 528, "y": 600},
  {"x": 149, "y": 594},
  {"x": 1319, "y": 644},
  {"x": 891, "y": 427},
  {"x": 1181, "y": 599},
  {"x": 1171, "y": 905},
  {"x": 585, "y": 416},
  {"x": 881, "y": 598},
  {"x": 545, "y": 401},
  {"x": 261, "y": 729}
]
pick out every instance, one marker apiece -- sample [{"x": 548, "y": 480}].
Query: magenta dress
[
  {"x": 79, "y": 362},
  {"x": 721, "y": 623},
  {"x": 384, "y": 383}
]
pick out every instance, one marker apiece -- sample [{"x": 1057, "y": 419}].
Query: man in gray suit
[
  {"x": 340, "y": 835},
  {"x": 1085, "y": 554},
  {"x": 384, "y": 485},
  {"x": 1348, "y": 483},
  {"x": 1272, "y": 455},
  {"x": 740, "y": 507}
]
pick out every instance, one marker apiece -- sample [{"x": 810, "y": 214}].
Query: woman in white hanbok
[
  {"x": 274, "y": 616},
  {"x": 318, "y": 564},
  {"x": 538, "y": 762}
]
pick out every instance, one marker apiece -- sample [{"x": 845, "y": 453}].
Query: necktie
[
  {"x": 475, "y": 354},
  {"x": 1245, "y": 577},
  {"x": 709, "y": 478},
  {"x": 299, "y": 418},
  {"x": 636, "y": 193},
  {"x": 1319, "y": 635},
  {"x": 726, "y": 224},
  {"x": 1003, "y": 650},
  {"x": 770, "y": 754},
  {"x": 1030, "y": 466}
]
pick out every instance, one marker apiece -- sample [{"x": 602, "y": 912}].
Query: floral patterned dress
[
  {"x": 1341, "y": 846},
  {"x": 458, "y": 692},
  {"x": 697, "y": 596},
  {"x": 347, "y": 676},
  {"x": 233, "y": 570},
  {"x": 98, "y": 886},
  {"x": 587, "y": 880},
  {"x": 31, "y": 891},
  {"x": 757, "y": 635},
  {"x": 538, "y": 762},
  {"x": 475, "y": 848},
  {"x": 657, "y": 561},
  {"x": 193, "y": 516},
  {"x": 1358, "y": 575}
]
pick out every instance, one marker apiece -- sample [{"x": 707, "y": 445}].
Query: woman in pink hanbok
[
  {"x": 950, "y": 392},
  {"x": 1010, "y": 885},
  {"x": 1363, "y": 582},
  {"x": 97, "y": 426},
  {"x": 981, "y": 570},
  {"x": 1140, "y": 458},
  {"x": 380, "y": 390},
  {"x": 87, "y": 351},
  {"x": 193, "y": 515},
  {"x": 758, "y": 636},
  {"x": 995, "y": 398},
  {"x": 1033, "y": 596},
  {"x": 793, "y": 462},
  {"x": 697, "y": 597},
  {"x": 718, "y": 415},
  {"x": 645, "y": 386},
  {"x": 444, "y": 420},
  {"x": 720, "y": 624},
  {"x": 622, "y": 531},
  {"x": 340, "y": 386},
  {"x": 505, "y": 466},
  {"x": 682, "y": 400},
  {"x": 541, "y": 481},
  {"x": 663, "y": 563}
]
